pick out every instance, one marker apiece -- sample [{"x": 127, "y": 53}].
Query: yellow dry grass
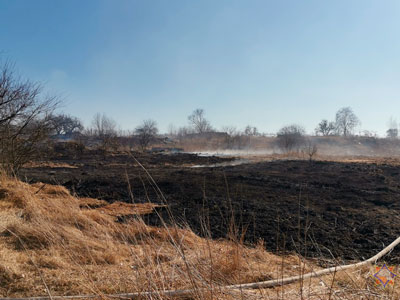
[{"x": 48, "y": 236}]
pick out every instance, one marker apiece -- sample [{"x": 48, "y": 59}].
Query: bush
[
  {"x": 291, "y": 138},
  {"x": 25, "y": 119}
]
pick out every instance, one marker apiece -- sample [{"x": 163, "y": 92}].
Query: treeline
[
  {"x": 200, "y": 134},
  {"x": 29, "y": 124}
]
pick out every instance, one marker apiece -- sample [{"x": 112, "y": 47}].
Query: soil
[{"x": 323, "y": 209}]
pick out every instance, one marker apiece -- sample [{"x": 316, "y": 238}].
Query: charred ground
[{"x": 348, "y": 210}]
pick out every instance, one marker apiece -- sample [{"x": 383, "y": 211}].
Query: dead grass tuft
[
  {"x": 47, "y": 234},
  {"x": 47, "y": 189},
  {"x": 7, "y": 276}
]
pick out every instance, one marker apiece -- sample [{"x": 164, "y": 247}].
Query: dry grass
[
  {"x": 75, "y": 246},
  {"x": 49, "y": 164}
]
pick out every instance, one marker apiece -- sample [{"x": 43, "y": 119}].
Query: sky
[{"x": 263, "y": 63}]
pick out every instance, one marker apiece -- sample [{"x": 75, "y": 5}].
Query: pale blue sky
[{"x": 265, "y": 63}]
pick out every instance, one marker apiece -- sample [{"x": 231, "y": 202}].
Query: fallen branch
[{"x": 246, "y": 286}]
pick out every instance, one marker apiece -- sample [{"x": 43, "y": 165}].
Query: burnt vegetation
[{"x": 323, "y": 195}]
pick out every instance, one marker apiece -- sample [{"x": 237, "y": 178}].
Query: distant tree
[
  {"x": 310, "y": 149},
  {"x": 290, "y": 138},
  {"x": 104, "y": 128},
  {"x": 184, "y": 130},
  {"x": 65, "y": 124},
  {"x": 198, "y": 122},
  {"x": 325, "y": 128},
  {"x": 393, "y": 130},
  {"x": 231, "y": 137},
  {"x": 251, "y": 131},
  {"x": 392, "y": 133},
  {"x": 346, "y": 121},
  {"x": 230, "y": 130},
  {"x": 146, "y": 133},
  {"x": 25, "y": 122},
  {"x": 103, "y": 125},
  {"x": 172, "y": 130},
  {"x": 368, "y": 133}
]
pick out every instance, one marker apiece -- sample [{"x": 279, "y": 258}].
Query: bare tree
[
  {"x": 369, "y": 133},
  {"x": 325, "y": 128},
  {"x": 103, "y": 125},
  {"x": 199, "y": 122},
  {"x": 251, "y": 131},
  {"x": 231, "y": 137},
  {"x": 146, "y": 133},
  {"x": 310, "y": 149},
  {"x": 290, "y": 138},
  {"x": 65, "y": 124},
  {"x": 392, "y": 133},
  {"x": 393, "y": 130},
  {"x": 172, "y": 130},
  {"x": 104, "y": 128},
  {"x": 346, "y": 121},
  {"x": 183, "y": 131},
  {"x": 25, "y": 121},
  {"x": 230, "y": 130}
]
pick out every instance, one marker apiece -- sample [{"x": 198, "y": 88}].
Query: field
[
  {"x": 95, "y": 223},
  {"x": 331, "y": 210}
]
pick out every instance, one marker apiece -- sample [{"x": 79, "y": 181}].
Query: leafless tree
[
  {"x": 393, "y": 130},
  {"x": 199, "y": 122},
  {"x": 251, "y": 131},
  {"x": 172, "y": 130},
  {"x": 290, "y": 138},
  {"x": 392, "y": 133},
  {"x": 184, "y": 130},
  {"x": 230, "y": 130},
  {"x": 346, "y": 121},
  {"x": 65, "y": 124},
  {"x": 103, "y": 125},
  {"x": 325, "y": 128},
  {"x": 104, "y": 128},
  {"x": 25, "y": 121},
  {"x": 231, "y": 137},
  {"x": 310, "y": 149},
  {"x": 146, "y": 133}
]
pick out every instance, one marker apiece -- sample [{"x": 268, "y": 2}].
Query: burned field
[{"x": 326, "y": 209}]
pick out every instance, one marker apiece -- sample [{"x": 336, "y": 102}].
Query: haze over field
[
  {"x": 174, "y": 149},
  {"x": 265, "y": 63}
]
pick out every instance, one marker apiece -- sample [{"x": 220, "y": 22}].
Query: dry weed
[{"x": 47, "y": 235}]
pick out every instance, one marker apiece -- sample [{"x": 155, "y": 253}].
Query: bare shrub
[
  {"x": 172, "y": 130},
  {"x": 393, "y": 130},
  {"x": 198, "y": 122},
  {"x": 392, "y": 133},
  {"x": 104, "y": 129},
  {"x": 25, "y": 119},
  {"x": 290, "y": 138},
  {"x": 146, "y": 133},
  {"x": 182, "y": 132},
  {"x": 310, "y": 149},
  {"x": 251, "y": 131},
  {"x": 231, "y": 136}
]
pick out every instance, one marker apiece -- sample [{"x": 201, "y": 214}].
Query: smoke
[
  {"x": 326, "y": 146},
  {"x": 233, "y": 152}
]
